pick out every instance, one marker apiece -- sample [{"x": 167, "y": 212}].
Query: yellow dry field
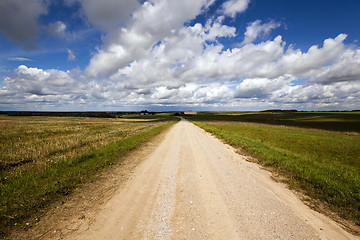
[
  {"x": 40, "y": 140},
  {"x": 190, "y": 113}
]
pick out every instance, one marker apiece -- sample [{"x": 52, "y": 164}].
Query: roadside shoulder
[{"x": 77, "y": 210}]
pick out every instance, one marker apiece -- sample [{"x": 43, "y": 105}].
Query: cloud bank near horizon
[{"x": 144, "y": 62}]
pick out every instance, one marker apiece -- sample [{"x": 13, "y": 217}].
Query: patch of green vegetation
[
  {"x": 165, "y": 116},
  {"x": 212, "y": 113},
  {"x": 333, "y": 121},
  {"x": 26, "y": 190},
  {"x": 326, "y": 164}
]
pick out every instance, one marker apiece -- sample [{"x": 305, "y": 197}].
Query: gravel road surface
[{"x": 192, "y": 186}]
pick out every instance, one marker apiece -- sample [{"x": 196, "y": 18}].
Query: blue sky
[{"x": 87, "y": 55}]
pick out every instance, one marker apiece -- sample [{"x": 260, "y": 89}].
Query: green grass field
[
  {"x": 44, "y": 158},
  {"x": 317, "y": 152}
]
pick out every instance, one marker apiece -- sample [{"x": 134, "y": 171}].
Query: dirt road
[{"x": 194, "y": 187}]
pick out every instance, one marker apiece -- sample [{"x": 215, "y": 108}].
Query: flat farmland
[
  {"x": 184, "y": 184},
  {"x": 44, "y": 158},
  {"x": 315, "y": 152}
]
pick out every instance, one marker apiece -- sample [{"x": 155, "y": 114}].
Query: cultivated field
[
  {"x": 44, "y": 158},
  {"x": 318, "y": 153},
  {"x": 189, "y": 185}
]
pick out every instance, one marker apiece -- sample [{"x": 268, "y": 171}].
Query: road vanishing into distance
[{"x": 192, "y": 186}]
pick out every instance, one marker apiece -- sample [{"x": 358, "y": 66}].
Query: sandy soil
[{"x": 192, "y": 186}]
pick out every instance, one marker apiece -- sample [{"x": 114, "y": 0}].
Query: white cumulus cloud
[
  {"x": 303, "y": 64},
  {"x": 261, "y": 88},
  {"x": 133, "y": 41},
  {"x": 346, "y": 68},
  {"x": 39, "y": 82},
  {"x": 256, "y": 29},
  {"x": 232, "y": 7}
]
